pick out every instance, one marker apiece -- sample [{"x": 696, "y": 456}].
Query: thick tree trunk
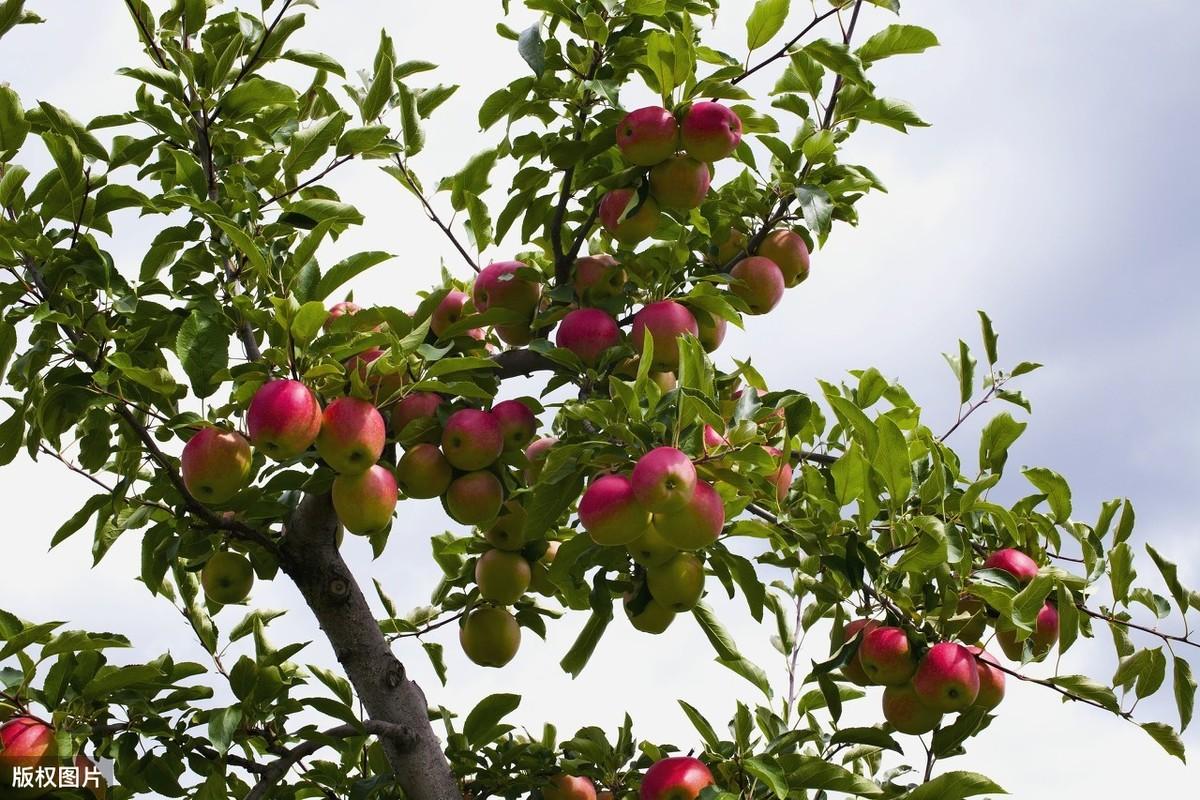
[{"x": 311, "y": 559}]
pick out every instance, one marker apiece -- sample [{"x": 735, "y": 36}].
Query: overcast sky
[{"x": 1057, "y": 189}]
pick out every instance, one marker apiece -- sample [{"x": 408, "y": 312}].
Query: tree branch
[
  {"x": 1166, "y": 637},
  {"x": 783, "y": 51},
  {"x": 253, "y": 59},
  {"x": 155, "y": 52},
  {"x": 521, "y": 362},
  {"x": 432, "y": 215}
]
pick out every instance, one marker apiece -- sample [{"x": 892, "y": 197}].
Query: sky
[{"x": 1056, "y": 189}]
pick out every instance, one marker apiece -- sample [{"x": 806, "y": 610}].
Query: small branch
[
  {"x": 251, "y": 61},
  {"x": 154, "y": 51},
  {"x": 337, "y": 162},
  {"x": 1064, "y": 692},
  {"x": 433, "y": 217},
  {"x": 783, "y": 51},
  {"x": 513, "y": 363},
  {"x": 431, "y": 627},
  {"x": 978, "y": 404},
  {"x": 1166, "y": 637}
]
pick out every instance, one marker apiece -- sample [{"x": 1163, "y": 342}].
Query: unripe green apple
[
  {"x": 679, "y": 583},
  {"x": 588, "y": 332},
  {"x": 352, "y": 435},
  {"x": 284, "y": 419},
  {"x": 651, "y": 549},
  {"x": 759, "y": 282},
  {"x": 680, "y": 182},
  {"x": 569, "y": 787},
  {"x": 227, "y": 577},
  {"x": 698, "y": 524},
  {"x": 666, "y": 381},
  {"x": 540, "y": 582},
  {"x": 640, "y": 223},
  {"x": 490, "y": 636},
  {"x": 664, "y": 480},
  {"x": 903, "y": 709},
  {"x": 418, "y": 406},
  {"x": 423, "y": 472},
  {"x": 472, "y": 439},
  {"x": 732, "y": 245},
  {"x": 508, "y": 531},
  {"x": 610, "y": 512},
  {"x": 365, "y": 502},
  {"x": 789, "y": 251},
  {"x": 215, "y": 465},
  {"x": 710, "y": 131},
  {"x": 647, "y": 136},
  {"x": 947, "y": 679},
  {"x": 666, "y": 321},
  {"x": 991, "y": 679},
  {"x": 598, "y": 278},
  {"x": 649, "y": 616},
  {"x": 474, "y": 498},
  {"x": 853, "y": 671},
  {"x": 517, "y": 424},
  {"x": 887, "y": 657},
  {"x": 502, "y": 577}
]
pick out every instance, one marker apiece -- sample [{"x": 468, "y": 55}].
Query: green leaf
[
  {"x": 766, "y": 20},
  {"x": 410, "y": 121},
  {"x": 998, "y": 435},
  {"x": 896, "y": 40},
  {"x": 1121, "y": 572},
  {"x": 872, "y": 737},
  {"x": 721, "y": 641},
  {"x": 930, "y": 550},
  {"x": 1166, "y": 736},
  {"x": 811, "y": 772},
  {"x": 770, "y": 773},
  {"x": 202, "y": 346},
  {"x": 79, "y": 518},
  {"x": 837, "y": 57},
  {"x": 361, "y": 140},
  {"x": 13, "y": 126},
  {"x": 1185, "y": 692},
  {"x": 702, "y": 726},
  {"x": 380, "y": 90},
  {"x": 989, "y": 337},
  {"x": 12, "y": 435},
  {"x": 1089, "y": 689},
  {"x": 243, "y": 243},
  {"x": 531, "y": 48},
  {"x": 310, "y": 143},
  {"x": 892, "y": 461},
  {"x": 646, "y": 8},
  {"x": 311, "y": 58},
  {"x": 1054, "y": 486},
  {"x": 850, "y": 475},
  {"x": 436, "y": 659},
  {"x": 585, "y": 644},
  {"x": 954, "y": 786},
  {"x": 114, "y": 679},
  {"x": 253, "y": 95},
  {"x": 1170, "y": 575},
  {"x": 480, "y": 726}
]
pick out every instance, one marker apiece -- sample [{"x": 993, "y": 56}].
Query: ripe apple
[
  {"x": 365, "y": 502},
  {"x": 903, "y": 709},
  {"x": 710, "y": 131},
  {"x": 541, "y": 582},
  {"x": 517, "y": 424},
  {"x": 215, "y": 465},
  {"x": 472, "y": 439},
  {"x": 664, "y": 480},
  {"x": 598, "y": 278},
  {"x": 588, "y": 332},
  {"x": 1015, "y": 563},
  {"x": 423, "y": 472},
  {"x": 698, "y": 524},
  {"x": 343, "y": 309},
  {"x": 490, "y": 636},
  {"x": 648, "y": 135},
  {"x": 352, "y": 435},
  {"x": 782, "y": 477},
  {"x": 499, "y": 286},
  {"x": 728, "y": 248},
  {"x": 651, "y": 549},
  {"x": 227, "y": 577},
  {"x": 502, "y": 577},
  {"x": 536, "y": 455},
  {"x": 666, "y": 321},
  {"x": 711, "y": 330},
  {"x": 853, "y": 671},
  {"x": 679, "y": 583},
  {"x": 680, "y": 182},
  {"x": 713, "y": 439},
  {"x": 517, "y": 334},
  {"x": 991, "y": 679},
  {"x": 789, "y": 251},
  {"x": 641, "y": 222},
  {"x": 453, "y": 307},
  {"x": 508, "y": 531},
  {"x": 474, "y": 498},
  {"x": 569, "y": 787},
  {"x": 415, "y": 406},
  {"x": 886, "y": 657},
  {"x": 650, "y": 616},
  {"x": 947, "y": 679},
  {"x": 1044, "y": 636},
  {"x": 675, "y": 778},
  {"x": 25, "y": 742},
  {"x": 760, "y": 283},
  {"x": 284, "y": 418},
  {"x": 610, "y": 512}
]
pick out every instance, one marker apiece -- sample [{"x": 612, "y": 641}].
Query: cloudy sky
[{"x": 1057, "y": 189}]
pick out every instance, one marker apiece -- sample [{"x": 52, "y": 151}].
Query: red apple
[
  {"x": 352, "y": 435},
  {"x": 886, "y": 657},
  {"x": 759, "y": 283},
  {"x": 215, "y": 465},
  {"x": 1044, "y": 636},
  {"x": 423, "y": 472},
  {"x": 569, "y": 787},
  {"x": 453, "y": 307},
  {"x": 499, "y": 286},
  {"x": 789, "y": 251},
  {"x": 713, "y": 439},
  {"x": 1015, "y": 563},
  {"x": 415, "y": 406},
  {"x": 648, "y": 135},
  {"x": 664, "y": 480},
  {"x": 853, "y": 670},
  {"x": 588, "y": 332},
  {"x": 666, "y": 321},
  {"x": 906, "y": 713},
  {"x": 536, "y": 455},
  {"x": 641, "y": 221},
  {"x": 365, "y": 501},
  {"x": 675, "y": 778},
  {"x": 25, "y": 741},
  {"x": 517, "y": 424},
  {"x": 991, "y": 679},
  {"x": 782, "y": 477},
  {"x": 710, "y": 131},
  {"x": 284, "y": 418},
  {"x": 698, "y": 524},
  {"x": 610, "y": 513},
  {"x": 680, "y": 182},
  {"x": 472, "y": 439},
  {"x": 598, "y": 278},
  {"x": 474, "y": 498},
  {"x": 948, "y": 678}
]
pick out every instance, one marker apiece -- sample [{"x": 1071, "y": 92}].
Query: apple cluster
[{"x": 670, "y": 778}]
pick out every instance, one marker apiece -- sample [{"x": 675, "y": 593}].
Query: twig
[
  {"x": 154, "y": 51},
  {"x": 431, "y": 627},
  {"x": 337, "y": 162},
  {"x": 783, "y": 51},
  {"x": 1167, "y": 637},
  {"x": 250, "y": 62},
  {"x": 433, "y": 217},
  {"x": 978, "y": 404}
]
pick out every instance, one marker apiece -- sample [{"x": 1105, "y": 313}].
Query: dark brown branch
[
  {"x": 155, "y": 52},
  {"x": 783, "y": 51},
  {"x": 978, "y": 404},
  {"x": 1166, "y": 637},
  {"x": 337, "y": 162},
  {"x": 521, "y": 362},
  {"x": 433, "y": 216}
]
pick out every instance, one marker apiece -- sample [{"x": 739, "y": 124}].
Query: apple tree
[{"x": 239, "y": 414}]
